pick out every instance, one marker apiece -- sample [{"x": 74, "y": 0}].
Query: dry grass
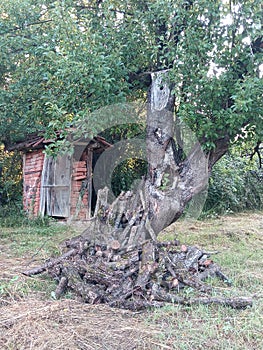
[
  {"x": 214, "y": 231},
  {"x": 31, "y": 319},
  {"x": 68, "y": 324}
]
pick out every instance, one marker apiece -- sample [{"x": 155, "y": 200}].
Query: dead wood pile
[{"x": 150, "y": 274}]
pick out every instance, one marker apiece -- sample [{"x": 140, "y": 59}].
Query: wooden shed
[{"x": 59, "y": 187}]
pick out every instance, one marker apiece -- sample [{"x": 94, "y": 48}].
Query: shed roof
[{"x": 37, "y": 141}]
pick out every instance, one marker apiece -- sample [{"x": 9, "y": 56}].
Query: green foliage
[
  {"x": 124, "y": 131},
  {"x": 61, "y": 60},
  {"x": 13, "y": 215},
  {"x": 235, "y": 185},
  {"x": 10, "y": 177},
  {"x": 128, "y": 174},
  {"x": 165, "y": 182}
]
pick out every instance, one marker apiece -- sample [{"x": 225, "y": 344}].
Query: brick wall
[
  {"x": 79, "y": 191},
  {"x": 32, "y": 170}
]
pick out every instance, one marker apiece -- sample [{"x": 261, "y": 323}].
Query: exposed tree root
[{"x": 150, "y": 274}]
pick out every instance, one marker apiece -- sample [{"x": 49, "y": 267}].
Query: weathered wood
[
  {"x": 235, "y": 302},
  {"x": 55, "y": 186},
  {"x": 146, "y": 275},
  {"x": 61, "y": 287},
  {"x": 160, "y": 301},
  {"x": 50, "y": 264},
  {"x": 213, "y": 271},
  {"x": 148, "y": 265},
  {"x": 89, "y": 180}
]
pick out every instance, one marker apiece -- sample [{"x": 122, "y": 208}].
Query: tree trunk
[
  {"x": 117, "y": 259},
  {"x": 171, "y": 181}
]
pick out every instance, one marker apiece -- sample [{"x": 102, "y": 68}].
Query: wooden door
[{"x": 55, "y": 187}]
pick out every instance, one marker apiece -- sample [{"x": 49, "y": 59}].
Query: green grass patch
[
  {"x": 238, "y": 240},
  {"x": 26, "y": 246},
  {"x": 19, "y": 287},
  {"x": 30, "y": 240},
  {"x": 213, "y": 327}
]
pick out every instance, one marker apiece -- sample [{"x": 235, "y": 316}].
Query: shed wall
[
  {"x": 32, "y": 169},
  {"x": 79, "y": 191},
  {"x": 80, "y": 196}
]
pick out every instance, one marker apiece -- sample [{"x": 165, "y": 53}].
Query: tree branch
[
  {"x": 221, "y": 148},
  {"x": 26, "y": 25},
  {"x": 257, "y": 151}
]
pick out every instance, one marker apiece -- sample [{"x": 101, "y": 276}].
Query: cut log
[
  {"x": 50, "y": 263},
  {"x": 146, "y": 275},
  {"x": 62, "y": 286}
]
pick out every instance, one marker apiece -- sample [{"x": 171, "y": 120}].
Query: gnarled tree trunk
[
  {"x": 171, "y": 182},
  {"x": 117, "y": 259}
]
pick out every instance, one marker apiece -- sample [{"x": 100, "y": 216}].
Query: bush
[
  {"x": 10, "y": 177},
  {"x": 126, "y": 173},
  {"x": 20, "y": 219},
  {"x": 13, "y": 215},
  {"x": 235, "y": 185}
]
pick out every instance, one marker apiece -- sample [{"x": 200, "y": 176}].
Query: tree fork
[{"x": 121, "y": 263}]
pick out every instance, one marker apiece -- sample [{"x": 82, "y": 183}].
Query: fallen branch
[
  {"x": 138, "y": 277},
  {"x": 49, "y": 264}
]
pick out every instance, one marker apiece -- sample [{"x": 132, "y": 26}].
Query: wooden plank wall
[
  {"x": 55, "y": 186},
  {"x": 81, "y": 185}
]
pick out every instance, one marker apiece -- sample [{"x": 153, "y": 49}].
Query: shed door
[{"x": 55, "y": 186}]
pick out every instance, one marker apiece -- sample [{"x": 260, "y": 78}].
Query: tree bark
[{"x": 170, "y": 183}]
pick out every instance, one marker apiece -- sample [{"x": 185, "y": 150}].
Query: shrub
[
  {"x": 13, "y": 215},
  {"x": 236, "y": 184},
  {"x": 126, "y": 173},
  {"x": 10, "y": 176}
]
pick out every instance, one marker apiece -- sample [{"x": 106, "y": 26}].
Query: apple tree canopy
[{"x": 61, "y": 60}]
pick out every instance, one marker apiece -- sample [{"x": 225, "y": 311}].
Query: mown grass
[
  {"x": 34, "y": 240},
  {"x": 238, "y": 240},
  {"x": 24, "y": 247},
  {"x": 213, "y": 327}
]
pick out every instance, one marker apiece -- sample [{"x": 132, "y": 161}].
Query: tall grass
[{"x": 13, "y": 215}]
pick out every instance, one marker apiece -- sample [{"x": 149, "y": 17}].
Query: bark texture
[
  {"x": 171, "y": 182},
  {"x": 151, "y": 274}
]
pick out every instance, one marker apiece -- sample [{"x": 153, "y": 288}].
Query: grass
[
  {"x": 34, "y": 241},
  {"x": 23, "y": 247},
  {"x": 202, "y": 327},
  {"x": 237, "y": 238}
]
